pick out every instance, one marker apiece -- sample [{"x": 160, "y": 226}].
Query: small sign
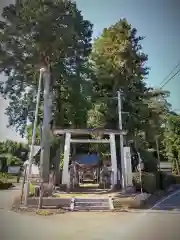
[
  {"x": 128, "y": 166},
  {"x": 13, "y": 169},
  {"x": 140, "y": 166}
]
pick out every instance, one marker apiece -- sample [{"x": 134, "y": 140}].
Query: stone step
[
  {"x": 89, "y": 204},
  {"x": 91, "y": 208},
  {"x": 91, "y": 200},
  {"x": 93, "y": 204}
]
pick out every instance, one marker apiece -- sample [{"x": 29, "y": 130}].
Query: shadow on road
[{"x": 165, "y": 202}]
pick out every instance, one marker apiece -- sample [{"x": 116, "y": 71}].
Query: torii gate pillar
[
  {"x": 65, "y": 172},
  {"x": 113, "y": 158}
]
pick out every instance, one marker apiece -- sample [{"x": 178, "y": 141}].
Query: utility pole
[
  {"x": 158, "y": 154},
  {"x": 33, "y": 137},
  {"x": 123, "y": 177}
]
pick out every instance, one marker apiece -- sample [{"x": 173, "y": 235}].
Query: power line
[
  {"x": 177, "y": 65},
  {"x": 171, "y": 78}
]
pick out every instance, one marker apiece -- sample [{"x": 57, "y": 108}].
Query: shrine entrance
[{"x": 106, "y": 136}]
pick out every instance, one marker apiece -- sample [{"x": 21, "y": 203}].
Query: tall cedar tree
[
  {"x": 172, "y": 141},
  {"x": 31, "y": 31},
  {"x": 119, "y": 63}
]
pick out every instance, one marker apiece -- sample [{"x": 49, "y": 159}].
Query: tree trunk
[
  {"x": 177, "y": 166},
  {"x": 41, "y": 196}
]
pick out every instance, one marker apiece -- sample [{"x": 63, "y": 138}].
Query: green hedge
[
  {"x": 5, "y": 185},
  {"x": 149, "y": 182},
  {"x": 152, "y": 182},
  {"x": 177, "y": 177},
  {"x": 150, "y": 162},
  {"x": 165, "y": 180}
]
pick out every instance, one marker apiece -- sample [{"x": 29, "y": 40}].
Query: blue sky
[{"x": 157, "y": 20}]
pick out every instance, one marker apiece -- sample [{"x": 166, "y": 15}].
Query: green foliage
[
  {"x": 9, "y": 160},
  {"x": 14, "y": 161},
  {"x": 172, "y": 141},
  {"x": 4, "y": 177},
  {"x": 61, "y": 161},
  {"x": 30, "y": 133},
  {"x": 14, "y": 152},
  {"x": 44, "y": 212},
  {"x": 119, "y": 63},
  {"x": 166, "y": 180},
  {"x": 149, "y": 182},
  {"x": 32, "y": 189},
  {"x": 112, "y": 57},
  {"x": 150, "y": 162},
  {"x": 85, "y": 82},
  {"x": 31, "y": 32},
  {"x": 96, "y": 115},
  {"x": 177, "y": 177},
  {"x": 4, "y": 184},
  {"x": 152, "y": 182}
]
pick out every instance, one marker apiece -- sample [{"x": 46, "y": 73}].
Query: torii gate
[{"x": 68, "y": 140}]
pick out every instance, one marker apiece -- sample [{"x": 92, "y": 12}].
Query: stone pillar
[
  {"x": 128, "y": 166},
  {"x": 65, "y": 173},
  {"x": 113, "y": 158},
  {"x": 56, "y": 167}
]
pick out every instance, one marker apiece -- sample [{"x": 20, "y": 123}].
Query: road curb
[{"x": 149, "y": 210}]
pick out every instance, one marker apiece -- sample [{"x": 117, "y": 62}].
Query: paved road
[
  {"x": 90, "y": 226},
  {"x": 172, "y": 202}
]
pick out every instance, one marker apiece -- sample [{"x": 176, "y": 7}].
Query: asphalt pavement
[
  {"x": 172, "y": 202},
  {"x": 156, "y": 223}
]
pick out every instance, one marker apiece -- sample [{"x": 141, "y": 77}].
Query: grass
[
  {"x": 93, "y": 195},
  {"x": 12, "y": 179},
  {"x": 73, "y": 195},
  {"x": 5, "y": 177},
  {"x": 4, "y": 181},
  {"x": 43, "y": 212},
  {"x": 32, "y": 188},
  {"x": 7, "y": 180}
]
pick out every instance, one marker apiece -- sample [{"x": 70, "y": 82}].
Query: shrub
[
  {"x": 44, "y": 212},
  {"x": 136, "y": 182},
  {"x": 154, "y": 181},
  {"x": 32, "y": 189},
  {"x": 150, "y": 162},
  {"x": 5, "y": 185},
  {"x": 177, "y": 177},
  {"x": 166, "y": 180},
  {"x": 149, "y": 182},
  {"x": 4, "y": 177}
]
